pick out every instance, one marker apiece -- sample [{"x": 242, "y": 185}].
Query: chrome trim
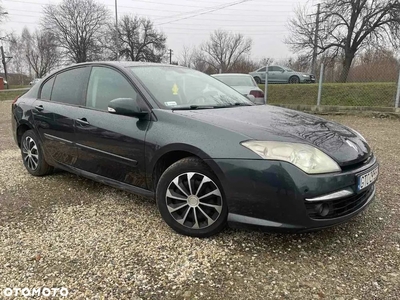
[
  {"x": 54, "y": 138},
  {"x": 119, "y": 158},
  {"x": 333, "y": 196}
]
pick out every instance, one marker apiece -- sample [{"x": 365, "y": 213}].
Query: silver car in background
[
  {"x": 277, "y": 74},
  {"x": 244, "y": 84}
]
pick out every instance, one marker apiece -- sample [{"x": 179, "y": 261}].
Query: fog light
[{"x": 322, "y": 209}]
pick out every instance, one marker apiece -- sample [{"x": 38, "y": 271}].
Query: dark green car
[{"x": 207, "y": 154}]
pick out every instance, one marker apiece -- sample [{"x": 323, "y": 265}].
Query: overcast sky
[{"x": 265, "y": 21}]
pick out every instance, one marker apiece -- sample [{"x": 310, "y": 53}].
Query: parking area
[{"x": 102, "y": 243}]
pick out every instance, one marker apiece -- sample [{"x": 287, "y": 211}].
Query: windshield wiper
[
  {"x": 235, "y": 105},
  {"x": 190, "y": 107}
]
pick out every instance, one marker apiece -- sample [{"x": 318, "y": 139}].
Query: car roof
[
  {"x": 127, "y": 64},
  {"x": 231, "y": 74}
]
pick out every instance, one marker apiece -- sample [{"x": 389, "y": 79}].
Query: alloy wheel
[
  {"x": 30, "y": 153},
  {"x": 194, "y": 200}
]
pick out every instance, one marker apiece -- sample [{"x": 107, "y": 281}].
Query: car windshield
[
  {"x": 236, "y": 80},
  {"x": 182, "y": 88}
]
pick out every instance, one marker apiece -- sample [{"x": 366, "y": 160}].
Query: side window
[
  {"x": 262, "y": 69},
  {"x": 70, "y": 86},
  {"x": 270, "y": 69},
  {"x": 278, "y": 69},
  {"x": 106, "y": 84},
  {"x": 46, "y": 89}
]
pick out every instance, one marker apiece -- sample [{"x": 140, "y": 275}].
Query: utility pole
[
  {"x": 3, "y": 60},
  {"x": 315, "y": 52},
  {"x": 170, "y": 56},
  {"x": 116, "y": 28}
]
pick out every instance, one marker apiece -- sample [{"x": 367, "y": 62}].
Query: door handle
[
  {"x": 83, "y": 121},
  {"x": 39, "y": 107}
]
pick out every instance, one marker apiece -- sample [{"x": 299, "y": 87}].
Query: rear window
[
  {"x": 70, "y": 86},
  {"x": 236, "y": 80},
  {"x": 46, "y": 89}
]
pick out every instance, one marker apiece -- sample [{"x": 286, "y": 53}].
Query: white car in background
[
  {"x": 244, "y": 84},
  {"x": 34, "y": 81}
]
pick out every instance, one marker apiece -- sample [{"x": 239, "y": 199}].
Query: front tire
[
  {"x": 191, "y": 200},
  {"x": 32, "y": 155},
  {"x": 294, "y": 80}
]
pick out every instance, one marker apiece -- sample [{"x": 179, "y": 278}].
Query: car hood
[
  {"x": 269, "y": 123},
  {"x": 245, "y": 90}
]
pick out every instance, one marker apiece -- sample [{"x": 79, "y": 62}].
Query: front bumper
[{"x": 272, "y": 195}]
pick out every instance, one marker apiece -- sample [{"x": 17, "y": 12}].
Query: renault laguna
[{"x": 207, "y": 154}]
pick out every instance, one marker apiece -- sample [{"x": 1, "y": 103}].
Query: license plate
[{"x": 367, "y": 179}]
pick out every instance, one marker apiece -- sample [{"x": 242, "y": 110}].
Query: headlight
[
  {"x": 307, "y": 158},
  {"x": 304, "y": 75}
]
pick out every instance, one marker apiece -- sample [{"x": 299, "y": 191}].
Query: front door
[
  {"x": 110, "y": 145},
  {"x": 55, "y": 112}
]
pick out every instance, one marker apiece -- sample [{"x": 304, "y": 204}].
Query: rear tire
[
  {"x": 32, "y": 155},
  {"x": 191, "y": 200}
]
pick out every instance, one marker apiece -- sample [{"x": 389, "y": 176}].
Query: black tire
[
  {"x": 32, "y": 155},
  {"x": 188, "y": 213},
  {"x": 258, "y": 80},
  {"x": 294, "y": 80}
]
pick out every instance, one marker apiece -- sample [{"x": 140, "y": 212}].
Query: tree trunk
[{"x": 348, "y": 60}]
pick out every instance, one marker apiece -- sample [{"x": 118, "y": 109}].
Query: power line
[
  {"x": 185, "y": 5},
  {"x": 250, "y": 23},
  {"x": 262, "y": 12},
  {"x": 206, "y": 12}
]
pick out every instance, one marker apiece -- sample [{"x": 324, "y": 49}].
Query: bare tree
[
  {"x": 40, "y": 50},
  {"x": 138, "y": 40},
  {"x": 200, "y": 61},
  {"x": 187, "y": 56},
  {"x": 225, "y": 49},
  {"x": 347, "y": 27},
  {"x": 18, "y": 63},
  {"x": 78, "y": 26}
]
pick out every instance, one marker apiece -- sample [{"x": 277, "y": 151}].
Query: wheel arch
[
  {"x": 257, "y": 78},
  {"x": 21, "y": 129},
  {"x": 172, "y": 153},
  {"x": 293, "y": 76}
]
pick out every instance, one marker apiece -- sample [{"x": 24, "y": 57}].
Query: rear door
[
  {"x": 56, "y": 110},
  {"x": 111, "y": 145},
  {"x": 274, "y": 74}
]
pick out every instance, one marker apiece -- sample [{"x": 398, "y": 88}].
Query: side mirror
[
  {"x": 126, "y": 107},
  {"x": 283, "y": 71}
]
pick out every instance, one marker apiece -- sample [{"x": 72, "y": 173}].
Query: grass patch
[
  {"x": 344, "y": 94},
  {"x": 10, "y": 95},
  {"x": 19, "y": 86}
]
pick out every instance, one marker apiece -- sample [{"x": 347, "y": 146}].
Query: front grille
[
  {"x": 338, "y": 208},
  {"x": 358, "y": 165}
]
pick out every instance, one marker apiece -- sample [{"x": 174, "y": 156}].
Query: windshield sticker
[
  {"x": 175, "y": 89},
  {"x": 172, "y": 103}
]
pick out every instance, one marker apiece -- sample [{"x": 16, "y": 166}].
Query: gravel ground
[{"x": 101, "y": 243}]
